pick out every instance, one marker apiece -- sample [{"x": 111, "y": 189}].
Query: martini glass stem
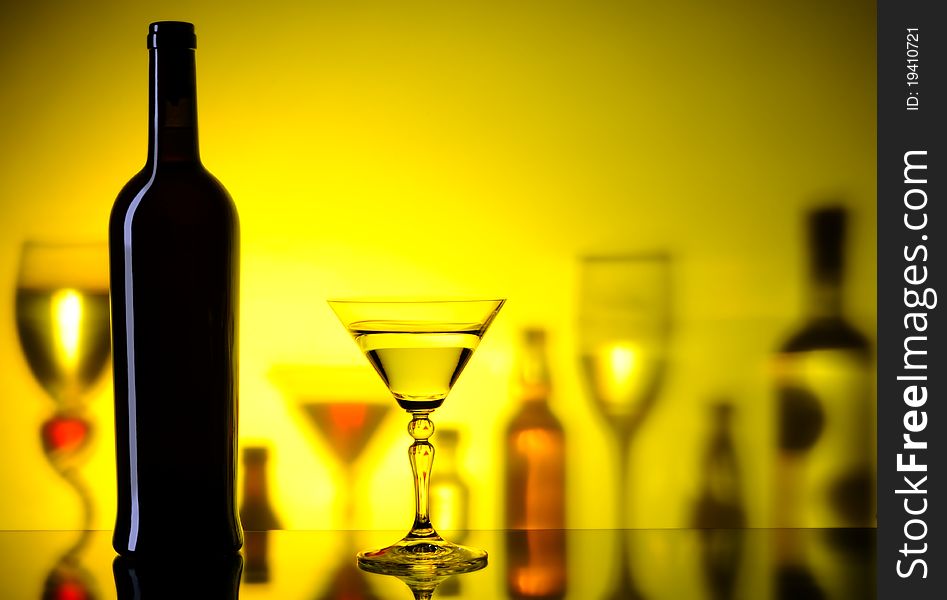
[
  {"x": 421, "y": 455},
  {"x": 625, "y": 586},
  {"x": 623, "y": 438},
  {"x": 348, "y": 496}
]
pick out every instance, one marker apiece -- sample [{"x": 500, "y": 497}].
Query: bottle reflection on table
[
  {"x": 794, "y": 578},
  {"x": 182, "y": 575},
  {"x": 256, "y": 514},
  {"x": 719, "y": 512},
  {"x": 834, "y": 563},
  {"x": 535, "y": 482}
]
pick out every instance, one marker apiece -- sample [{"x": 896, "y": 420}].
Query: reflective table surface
[{"x": 579, "y": 564}]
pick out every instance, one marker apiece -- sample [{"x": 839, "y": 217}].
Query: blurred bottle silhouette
[
  {"x": 449, "y": 494},
  {"x": 183, "y": 575},
  {"x": 720, "y": 504},
  {"x": 256, "y": 511},
  {"x": 825, "y": 468},
  {"x": 719, "y": 512},
  {"x": 535, "y": 482},
  {"x": 256, "y": 514}
]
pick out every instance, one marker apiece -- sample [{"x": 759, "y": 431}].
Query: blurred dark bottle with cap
[
  {"x": 173, "y": 252},
  {"x": 256, "y": 514},
  {"x": 825, "y": 402},
  {"x": 535, "y": 481},
  {"x": 825, "y": 465}
]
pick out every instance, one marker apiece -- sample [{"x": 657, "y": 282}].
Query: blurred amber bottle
[
  {"x": 256, "y": 514},
  {"x": 535, "y": 482},
  {"x": 825, "y": 464}
]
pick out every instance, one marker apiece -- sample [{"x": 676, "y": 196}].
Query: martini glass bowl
[
  {"x": 419, "y": 349},
  {"x": 345, "y": 407}
]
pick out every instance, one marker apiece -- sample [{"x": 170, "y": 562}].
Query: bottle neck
[
  {"x": 533, "y": 377},
  {"x": 825, "y": 297},
  {"x": 447, "y": 457},
  {"x": 254, "y": 484},
  {"x": 172, "y": 108}
]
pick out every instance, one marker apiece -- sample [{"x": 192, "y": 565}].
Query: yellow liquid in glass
[
  {"x": 623, "y": 377},
  {"x": 419, "y": 362}
]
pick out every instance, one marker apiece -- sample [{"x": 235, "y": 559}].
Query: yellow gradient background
[{"x": 460, "y": 149}]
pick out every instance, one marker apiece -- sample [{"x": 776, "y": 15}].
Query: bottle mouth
[{"x": 172, "y": 34}]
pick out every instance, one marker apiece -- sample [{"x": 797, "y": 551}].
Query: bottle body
[
  {"x": 256, "y": 511},
  {"x": 535, "y": 504},
  {"x": 824, "y": 401},
  {"x": 256, "y": 514},
  {"x": 174, "y": 262},
  {"x": 535, "y": 484},
  {"x": 825, "y": 448}
]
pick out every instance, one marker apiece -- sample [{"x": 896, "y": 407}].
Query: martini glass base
[{"x": 424, "y": 558}]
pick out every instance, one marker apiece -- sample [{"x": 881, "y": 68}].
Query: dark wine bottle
[{"x": 173, "y": 252}]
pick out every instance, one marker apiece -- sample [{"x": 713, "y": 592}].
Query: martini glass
[
  {"x": 344, "y": 406},
  {"x": 419, "y": 349}
]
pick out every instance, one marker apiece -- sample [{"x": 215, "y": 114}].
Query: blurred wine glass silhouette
[
  {"x": 623, "y": 331},
  {"x": 62, "y": 318},
  {"x": 344, "y": 406}
]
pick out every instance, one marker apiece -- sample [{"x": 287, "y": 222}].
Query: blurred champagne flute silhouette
[
  {"x": 62, "y": 318},
  {"x": 623, "y": 330},
  {"x": 342, "y": 405},
  {"x": 419, "y": 349}
]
